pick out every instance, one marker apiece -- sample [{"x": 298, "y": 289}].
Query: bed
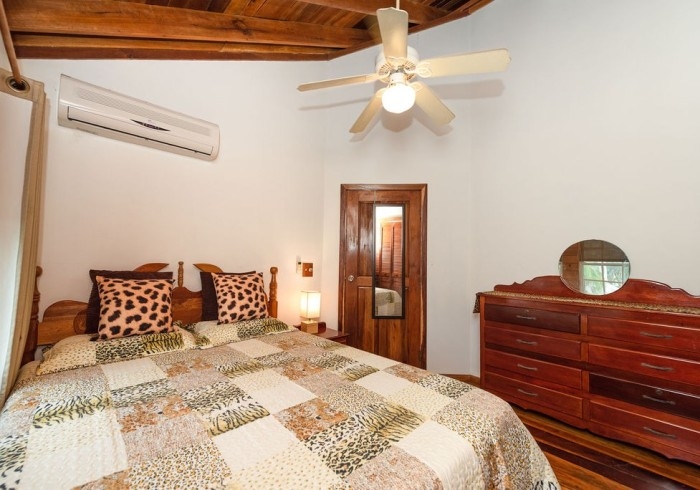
[{"x": 253, "y": 403}]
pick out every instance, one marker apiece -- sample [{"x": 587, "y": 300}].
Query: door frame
[{"x": 421, "y": 360}]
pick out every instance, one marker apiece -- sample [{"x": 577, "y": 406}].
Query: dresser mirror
[
  {"x": 594, "y": 267},
  {"x": 388, "y": 275}
]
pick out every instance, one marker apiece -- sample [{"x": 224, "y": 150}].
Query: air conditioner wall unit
[{"x": 106, "y": 113}]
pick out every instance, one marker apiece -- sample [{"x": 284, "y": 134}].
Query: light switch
[{"x": 307, "y": 269}]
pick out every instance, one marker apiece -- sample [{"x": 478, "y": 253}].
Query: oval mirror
[{"x": 594, "y": 267}]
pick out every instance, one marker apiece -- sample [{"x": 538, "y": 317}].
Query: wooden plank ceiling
[{"x": 210, "y": 29}]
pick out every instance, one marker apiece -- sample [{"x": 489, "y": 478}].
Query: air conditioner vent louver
[
  {"x": 106, "y": 113},
  {"x": 150, "y": 126},
  {"x": 140, "y": 110}
]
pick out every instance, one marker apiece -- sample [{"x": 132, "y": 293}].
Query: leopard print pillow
[
  {"x": 134, "y": 307},
  {"x": 240, "y": 297}
]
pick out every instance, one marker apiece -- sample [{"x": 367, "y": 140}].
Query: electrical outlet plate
[{"x": 307, "y": 269}]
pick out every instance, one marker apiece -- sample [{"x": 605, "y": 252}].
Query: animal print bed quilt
[{"x": 254, "y": 405}]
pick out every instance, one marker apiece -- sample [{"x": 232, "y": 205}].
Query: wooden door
[{"x": 399, "y": 339}]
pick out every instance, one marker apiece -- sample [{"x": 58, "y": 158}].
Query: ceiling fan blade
[
  {"x": 431, "y": 104},
  {"x": 460, "y": 64},
  {"x": 336, "y": 82},
  {"x": 393, "y": 27},
  {"x": 370, "y": 110}
]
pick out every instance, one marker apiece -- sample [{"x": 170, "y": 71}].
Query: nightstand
[{"x": 329, "y": 333}]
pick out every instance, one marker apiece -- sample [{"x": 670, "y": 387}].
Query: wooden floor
[{"x": 582, "y": 460}]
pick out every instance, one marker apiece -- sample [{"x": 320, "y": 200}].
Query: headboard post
[
  {"x": 33, "y": 332},
  {"x": 272, "y": 301},
  {"x": 180, "y": 274}
]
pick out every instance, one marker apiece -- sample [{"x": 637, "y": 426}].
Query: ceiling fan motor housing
[{"x": 385, "y": 67}]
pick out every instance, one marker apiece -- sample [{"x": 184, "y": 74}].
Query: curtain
[{"x": 18, "y": 285}]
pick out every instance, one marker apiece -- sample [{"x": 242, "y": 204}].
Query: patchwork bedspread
[{"x": 274, "y": 409}]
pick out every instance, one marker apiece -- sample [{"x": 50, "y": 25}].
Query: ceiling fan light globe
[{"x": 398, "y": 98}]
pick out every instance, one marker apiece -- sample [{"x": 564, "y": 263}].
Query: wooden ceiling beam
[
  {"x": 417, "y": 12},
  {"x": 465, "y": 10},
  {"x": 235, "y": 7},
  {"x": 134, "y": 20},
  {"x": 54, "y": 47},
  {"x": 473, "y": 5}
]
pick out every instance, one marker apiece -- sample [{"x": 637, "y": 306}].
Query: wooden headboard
[{"x": 68, "y": 317}]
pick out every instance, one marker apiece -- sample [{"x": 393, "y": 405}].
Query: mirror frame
[
  {"x": 594, "y": 257},
  {"x": 375, "y": 251}
]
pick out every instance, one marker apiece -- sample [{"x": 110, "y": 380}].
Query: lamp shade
[
  {"x": 399, "y": 96},
  {"x": 310, "y": 305}
]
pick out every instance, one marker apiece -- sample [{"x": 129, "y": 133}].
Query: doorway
[{"x": 364, "y": 293}]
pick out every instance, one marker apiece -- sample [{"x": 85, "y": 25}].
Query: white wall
[
  {"x": 604, "y": 92},
  {"x": 596, "y": 136},
  {"x": 111, "y": 204},
  {"x": 590, "y": 133}
]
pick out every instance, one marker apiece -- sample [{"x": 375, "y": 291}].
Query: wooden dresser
[{"x": 625, "y": 365}]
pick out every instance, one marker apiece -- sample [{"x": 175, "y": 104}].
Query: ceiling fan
[{"x": 398, "y": 65}]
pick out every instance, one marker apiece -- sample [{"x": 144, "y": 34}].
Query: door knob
[{"x": 351, "y": 278}]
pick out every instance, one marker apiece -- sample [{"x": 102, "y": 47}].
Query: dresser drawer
[
  {"x": 525, "y": 366},
  {"x": 654, "y": 397},
  {"x": 550, "y": 320},
  {"x": 545, "y": 397},
  {"x": 646, "y": 431},
  {"x": 664, "y": 367},
  {"x": 532, "y": 342},
  {"x": 651, "y": 334}
]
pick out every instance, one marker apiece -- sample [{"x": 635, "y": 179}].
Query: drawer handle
[
  {"x": 659, "y": 433},
  {"x": 528, "y": 393},
  {"x": 655, "y": 335},
  {"x": 529, "y": 368},
  {"x": 658, "y": 400},
  {"x": 526, "y": 342},
  {"x": 658, "y": 368},
  {"x": 523, "y": 317}
]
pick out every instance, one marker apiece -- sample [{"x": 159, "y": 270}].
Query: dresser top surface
[{"x": 636, "y": 294}]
